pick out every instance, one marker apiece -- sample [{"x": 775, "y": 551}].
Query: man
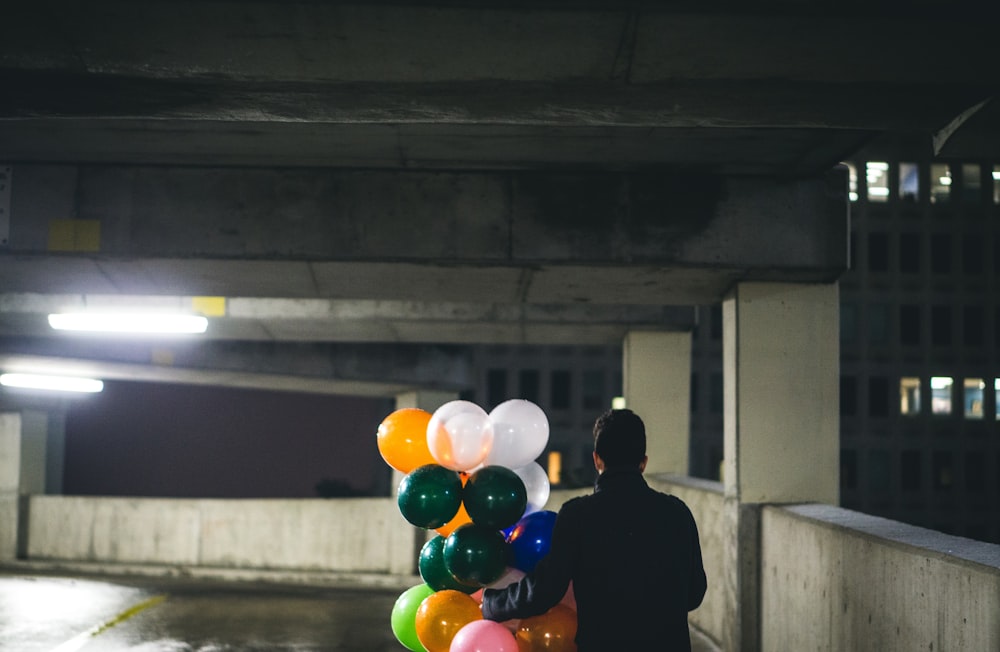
[{"x": 631, "y": 552}]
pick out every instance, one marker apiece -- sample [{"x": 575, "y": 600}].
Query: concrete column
[
  {"x": 657, "y": 384},
  {"x": 781, "y": 358},
  {"x": 406, "y": 561},
  {"x": 23, "y": 442}
]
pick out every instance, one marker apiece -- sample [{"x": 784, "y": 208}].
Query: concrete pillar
[
  {"x": 409, "y": 551},
  {"x": 781, "y": 360},
  {"x": 657, "y": 384},
  {"x": 23, "y": 443}
]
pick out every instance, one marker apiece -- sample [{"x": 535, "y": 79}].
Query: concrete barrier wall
[
  {"x": 831, "y": 579},
  {"x": 835, "y": 580},
  {"x": 364, "y": 535}
]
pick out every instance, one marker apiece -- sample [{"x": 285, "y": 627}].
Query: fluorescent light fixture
[
  {"x": 945, "y": 181},
  {"x": 128, "y": 322},
  {"x": 52, "y": 383},
  {"x": 618, "y": 403},
  {"x": 878, "y": 191},
  {"x": 996, "y": 175}
]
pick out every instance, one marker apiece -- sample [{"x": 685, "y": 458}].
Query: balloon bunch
[{"x": 471, "y": 476}]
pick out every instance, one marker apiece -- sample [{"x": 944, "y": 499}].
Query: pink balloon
[
  {"x": 569, "y": 599},
  {"x": 483, "y": 636}
]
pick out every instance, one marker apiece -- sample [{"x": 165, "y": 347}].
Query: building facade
[{"x": 920, "y": 332}]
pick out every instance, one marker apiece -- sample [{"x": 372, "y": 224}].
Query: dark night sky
[{"x": 153, "y": 439}]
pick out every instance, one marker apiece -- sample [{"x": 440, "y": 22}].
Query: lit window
[
  {"x": 909, "y": 396},
  {"x": 877, "y": 176},
  {"x": 852, "y": 175},
  {"x": 555, "y": 467},
  {"x": 941, "y": 394},
  {"x": 996, "y": 184},
  {"x": 909, "y": 182},
  {"x": 972, "y": 398},
  {"x": 940, "y": 183}
]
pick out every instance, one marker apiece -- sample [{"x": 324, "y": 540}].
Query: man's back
[
  {"x": 636, "y": 565},
  {"x": 632, "y": 555}
]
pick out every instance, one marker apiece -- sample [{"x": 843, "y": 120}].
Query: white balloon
[
  {"x": 520, "y": 433},
  {"x": 536, "y": 482},
  {"x": 459, "y": 435}
]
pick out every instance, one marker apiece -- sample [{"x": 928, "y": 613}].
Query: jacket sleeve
[
  {"x": 541, "y": 589},
  {"x": 697, "y": 582}
]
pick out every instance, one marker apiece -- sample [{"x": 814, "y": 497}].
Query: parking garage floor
[{"x": 55, "y": 613}]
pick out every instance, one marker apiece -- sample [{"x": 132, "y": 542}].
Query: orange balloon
[
  {"x": 461, "y": 517},
  {"x": 553, "y": 630},
  {"x": 402, "y": 439},
  {"x": 441, "y": 615}
]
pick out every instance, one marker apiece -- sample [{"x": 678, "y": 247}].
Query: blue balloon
[{"x": 531, "y": 539}]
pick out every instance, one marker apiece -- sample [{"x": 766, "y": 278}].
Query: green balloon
[
  {"x": 495, "y": 497},
  {"x": 404, "y": 616},
  {"x": 475, "y": 554},
  {"x": 433, "y": 571},
  {"x": 430, "y": 495}
]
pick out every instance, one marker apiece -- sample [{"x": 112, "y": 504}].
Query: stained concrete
[{"x": 40, "y": 612}]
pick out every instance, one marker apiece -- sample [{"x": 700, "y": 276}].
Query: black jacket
[{"x": 633, "y": 556}]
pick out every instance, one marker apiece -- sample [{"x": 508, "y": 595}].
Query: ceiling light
[
  {"x": 52, "y": 383},
  {"x": 128, "y": 322}
]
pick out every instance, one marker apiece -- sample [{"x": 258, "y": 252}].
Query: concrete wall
[
  {"x": 831, "y": 579},
  {"x": 836, "y": 580},
  {"x": 351, "y": 535}
]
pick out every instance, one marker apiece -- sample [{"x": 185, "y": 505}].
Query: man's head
[{"x": 619, "y": 440}]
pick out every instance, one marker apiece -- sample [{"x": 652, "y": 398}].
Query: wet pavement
[
  {"x": 48, "y": 613},
  {"x": 57, "y": 614}
]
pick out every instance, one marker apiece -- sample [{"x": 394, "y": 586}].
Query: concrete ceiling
[{"x": 782, "y": 92}]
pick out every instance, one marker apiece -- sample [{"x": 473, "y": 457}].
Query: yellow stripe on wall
[
  {"x": 209, "y": 306},
  {"x": 74, "y": 235}
]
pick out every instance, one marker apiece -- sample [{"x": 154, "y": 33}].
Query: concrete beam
[
  {"x": 381, "y": 370},
  {"x": 655, "y": 237},
  {"x": 420, "y": 41},
  {"x": 773, "y": 89}
]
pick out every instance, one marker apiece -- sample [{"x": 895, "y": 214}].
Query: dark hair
[{"x": 620, "y": 438}]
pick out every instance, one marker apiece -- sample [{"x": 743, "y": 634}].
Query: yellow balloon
[
  {"x": 441, "y": 615},
  {"x": 402, "y": 439},
  {"x": 554, "y": 630}
]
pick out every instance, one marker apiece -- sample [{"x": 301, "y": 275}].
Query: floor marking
[{"x": 83, "y": 638}]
